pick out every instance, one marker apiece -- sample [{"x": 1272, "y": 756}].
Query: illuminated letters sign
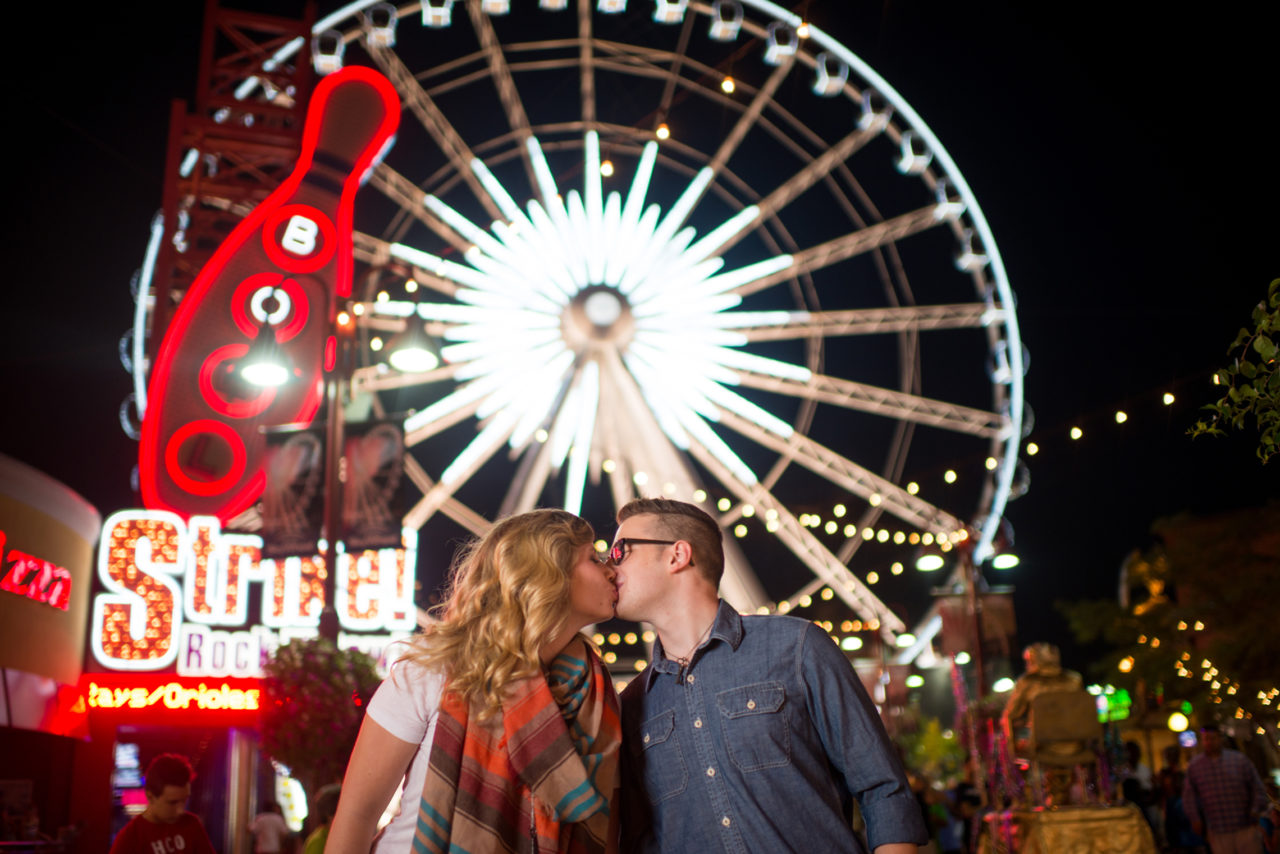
[
  {"x": 158, "y": 697},
  {"x": 37, "y": 579},
  {"x": 178, "y": 596},
  {"x": 173, "y": 695},
  {"x": 201, "y": 451}
]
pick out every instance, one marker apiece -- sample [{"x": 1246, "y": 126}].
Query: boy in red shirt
[{"x": 165, "y": 826}]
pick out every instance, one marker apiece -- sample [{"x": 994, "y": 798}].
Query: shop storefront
[{"x": 47, "y": 537}]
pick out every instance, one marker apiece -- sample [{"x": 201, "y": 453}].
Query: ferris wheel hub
[{"x": 597, "y": 314}]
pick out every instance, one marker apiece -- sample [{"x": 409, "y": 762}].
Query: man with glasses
[{"x": 743, "y": 734}]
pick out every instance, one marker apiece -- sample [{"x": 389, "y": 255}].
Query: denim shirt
[{"x": 760, "y": 744}]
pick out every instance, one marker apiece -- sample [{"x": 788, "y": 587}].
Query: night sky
[{"x": 1123, "y": 155}]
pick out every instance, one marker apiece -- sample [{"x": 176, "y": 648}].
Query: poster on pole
[
  {"x": 373, "y": 506},
  {"x": 293, "y": 497}
]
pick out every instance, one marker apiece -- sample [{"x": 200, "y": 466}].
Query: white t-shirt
[
  {"x": 269, "y": 832},
  {"x": 406, "y": 705}
]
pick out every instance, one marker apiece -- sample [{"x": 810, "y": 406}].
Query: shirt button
[
  {"x": 725, "y": 821},
  {"x": 697, "y": 724},
  {"x": 711, "y": 772},
  {"x": 689, "y": 678},
  {"x": 646, "y": 739},
  {"x": 751, "y": 704}
]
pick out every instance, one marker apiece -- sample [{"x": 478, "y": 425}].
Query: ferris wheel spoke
[
  {"x": 696, "y": 188},
  {"x": 820, "y": 561},
  {"x": 572, "y": 433},
  {"x": 887, "y": 402},
  {"x": 438, "y": 127},
  {"x": 586, "y": 66},
  {"x": 843, "y": 472},
  {"x": 484, "y": 284},
  {"x": 376, "y": 252},
  {"x": 644, "y": 449},
  {"x": 855, "y": 243},
  {"x": 372, "y": 378},
  {"x": 406, "y": 194},
  {"x": 676, "y": 66},
  {"x": 369, "y": 249},
  {"x": 452, "y": 409},
  {"x": 500, "y": 71},
  {"x": 750, "y": 115},
  {"x": 813, "y": 172},
  {"x": 451, "y": 507},
  {"x": 530, "y": 480},
  {"x": 496, "y": 382},
  {"x": 789, "y": 325},
  {"x": 486, "y": 443}
]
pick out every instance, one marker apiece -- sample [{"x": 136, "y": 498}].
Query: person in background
[
  {"x": 502, "y": 718},
  {"x": 326, "y": 804},
  {"x": 1270, "y": 821},
  {"x": 1178, "y": 836},
  {"x": 1044, "y": 675},
  {"x": 1138, "y": 787},
  {"x": 743, "y": 733},
  {"x": 1223, "y": 797},
  {"x": 165, "y": 825},
  {"x": 271, "y": 835}
]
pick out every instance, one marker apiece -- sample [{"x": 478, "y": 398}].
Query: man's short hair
[
  {"x": 168, "y": 769},
  {"x": 681, "y": 520}
]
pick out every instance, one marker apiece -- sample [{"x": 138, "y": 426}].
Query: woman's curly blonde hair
[{"x": 507, "y": 597}]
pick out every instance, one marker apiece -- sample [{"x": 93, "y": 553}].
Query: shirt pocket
[
  {"x": 756, "y": 731},
  {"x": 662, "y": 763}
]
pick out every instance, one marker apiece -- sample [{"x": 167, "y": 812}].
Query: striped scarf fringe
[{"x": 535, "y": 778}]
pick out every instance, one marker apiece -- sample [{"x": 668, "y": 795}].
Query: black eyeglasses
[{"x": 620, "y": 549}]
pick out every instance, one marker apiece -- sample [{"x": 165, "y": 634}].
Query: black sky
[{"x": 1123, "y": 154}]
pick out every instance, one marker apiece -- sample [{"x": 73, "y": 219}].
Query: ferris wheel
[{"x": 690, "y": 249}]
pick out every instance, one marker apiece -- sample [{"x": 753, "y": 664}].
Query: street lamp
[
  {"x": 265, "y": 365},
  {"x": 412, "y": 351}
]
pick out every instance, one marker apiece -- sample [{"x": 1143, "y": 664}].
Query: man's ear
[{"x": 681, "y": 556}]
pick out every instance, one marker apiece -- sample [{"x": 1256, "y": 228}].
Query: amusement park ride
[{"x": 695, "y": 249}]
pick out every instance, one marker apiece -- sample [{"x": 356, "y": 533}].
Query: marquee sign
[
  {"x": 34, "y": 578},
  {"x": 201, "y": 448},
  {"x": 178, "y": 596},
  {"x": 184, "y": 695}
]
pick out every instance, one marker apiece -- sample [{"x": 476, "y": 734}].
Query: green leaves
[
  {"x": 1252, "y": 382},
  {"x": 314, "y": 697}
]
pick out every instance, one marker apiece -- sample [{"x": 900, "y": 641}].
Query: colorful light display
[
  {"x": 201, "y": 454},
  {"x": 178, "y": 596}
]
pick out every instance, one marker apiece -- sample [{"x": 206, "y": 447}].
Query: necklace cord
[{"x": 683, "y": 660}]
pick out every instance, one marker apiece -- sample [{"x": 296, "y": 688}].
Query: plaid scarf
[{"x": 554, "y": 745}]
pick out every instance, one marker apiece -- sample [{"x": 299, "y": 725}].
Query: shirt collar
[{"x": 727, "y": 627}]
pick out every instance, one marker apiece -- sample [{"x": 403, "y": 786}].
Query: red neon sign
[
  {"x": 201, "y": 453},
  {"x": 169, "y": 693},
  {"x": 34, "y": 578}
]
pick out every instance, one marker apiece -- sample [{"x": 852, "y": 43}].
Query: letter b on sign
[{"x": 299, "y": 236}]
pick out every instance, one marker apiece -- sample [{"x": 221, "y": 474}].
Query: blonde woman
[{"x": 501, "y": 720}]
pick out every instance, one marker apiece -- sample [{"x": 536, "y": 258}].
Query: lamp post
[
  {"x": 263, "y": 365},
  {"x": 337, "y": 375}
]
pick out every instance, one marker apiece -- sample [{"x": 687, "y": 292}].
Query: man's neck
[{"x": 683, "y": 630}]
